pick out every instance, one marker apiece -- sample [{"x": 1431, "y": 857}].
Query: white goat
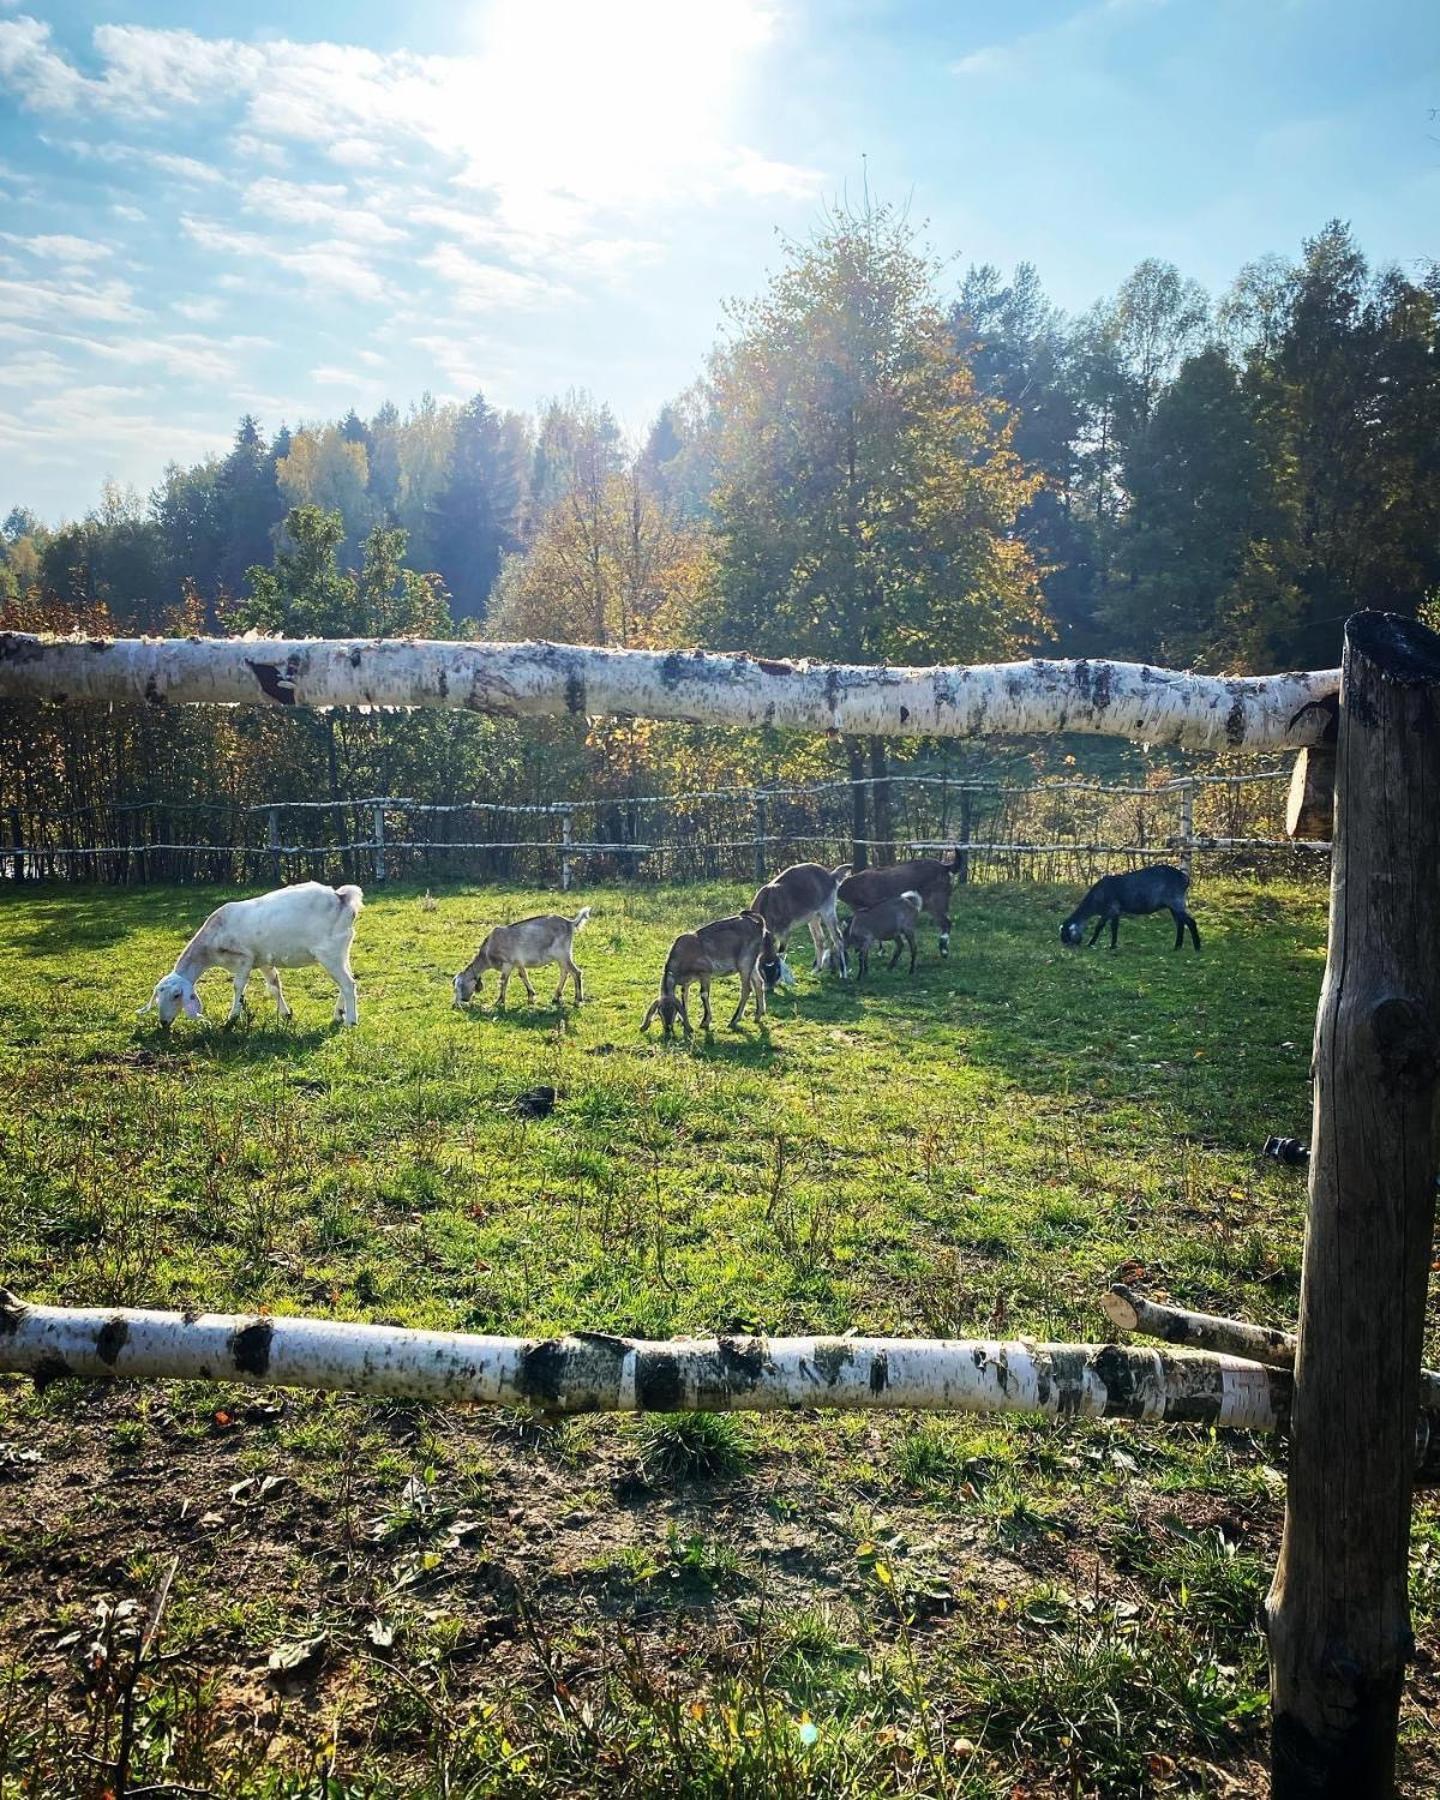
[
  {"x": 289, "y": 929},
  {"x": 512, "y": 949}
]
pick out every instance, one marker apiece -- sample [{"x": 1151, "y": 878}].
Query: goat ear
[
  {"x": 148, "y": 1007},
  {"x": 193, "y": 1008}
]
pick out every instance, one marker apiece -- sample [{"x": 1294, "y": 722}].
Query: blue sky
[{"x": 290, "y": 210}]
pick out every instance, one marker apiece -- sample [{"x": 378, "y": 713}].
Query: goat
[
  {"x": 288, "y": 929},
  {"x": 1160, "y": 888},
  {"x": 892, "y": 920},
  {"x": 931, "y": 878},
  {"x": 742, "y": 945},
  {"x": 803, "y": 895},
  {"x": 514, "y": 949}
]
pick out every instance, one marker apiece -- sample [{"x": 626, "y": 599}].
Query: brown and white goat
[
  {"x": 804, "y": 894},
  {"x": 892, "y": 921},
  {"x": 931, "y": 878},
  {"x": 530, "y": 944},
  {"x": 741, "y": 945}
]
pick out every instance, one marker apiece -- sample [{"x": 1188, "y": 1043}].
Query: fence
[{"x": 1049, "y": 830}]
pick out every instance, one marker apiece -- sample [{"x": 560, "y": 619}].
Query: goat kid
[
  {"x": 742, "y": 945},
  {"x": 891, "y": 921},
  {"x": 288, "y": 929},
  {"x": 803, "y": 894},
  {"x": 931, "y": 877},
  {"x": 1160, "y": 888},
  {"x": 531, "y": 944}
]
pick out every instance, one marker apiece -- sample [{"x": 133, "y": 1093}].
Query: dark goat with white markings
[
  {"x": 931, "y": 878},
  {"x": 1160, "y": 888},
  {"x": 892, "y": 921}
]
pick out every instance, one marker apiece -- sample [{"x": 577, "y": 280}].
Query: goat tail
[
  {"x": 914, "y": 899},
  {"x": 351, "y": 897},
  {"x": 581, "y": 919},
  {"x": 840, "y": 871}
]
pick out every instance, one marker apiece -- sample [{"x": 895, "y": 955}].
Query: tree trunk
[
  {"x": 1155, "y": 706},
  {"x": 1338, "y": 1613},
  {"x": 597, "y": 1373},
  {"x": 859, "y": 813},
  {"x": 882, "y": 813}
]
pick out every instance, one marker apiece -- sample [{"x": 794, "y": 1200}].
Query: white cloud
[
  {"x": 564, "y": 106},
  {"x": 109, "y": 301},
  {"x": 322, "y": 204},
  {"x": 1020, "y": 54},
  {"x": 122, "y": 210},
  {"x": 37, "y": 369},
  {"x": 44, "y": 81},
  {"x": 187, "y": 168},
  {"x": 327, "y": 264},
  {"x": 63, "y": 249},
  {"x": 201, "y": 312},
  {"x": 258, "y": 149},
  {"x": 484, "y": 287}
]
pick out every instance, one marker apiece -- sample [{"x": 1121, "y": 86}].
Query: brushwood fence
[{"x": 1049, "y": 830}]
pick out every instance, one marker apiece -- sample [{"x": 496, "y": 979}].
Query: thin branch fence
[{"x": 1050, "y": 830}]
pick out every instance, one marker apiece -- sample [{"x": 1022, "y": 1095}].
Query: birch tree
[{"x": 866, "y": 496}]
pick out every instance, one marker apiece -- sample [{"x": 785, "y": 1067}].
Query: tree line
[{"x": 870, "y": 467}]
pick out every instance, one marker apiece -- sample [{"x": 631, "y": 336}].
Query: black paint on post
[{"x": 1338, "y": 1609}]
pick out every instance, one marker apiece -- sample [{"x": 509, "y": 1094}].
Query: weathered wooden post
[
  {"x": 567, "y": 837},
  {"x": 760, "y": 822},
  {"x": 272, "y": 838},
  {"x": 1338, "y": 1616},
  {"x": 17, "y": 867},
  {"x": 379, "y": 843},
  {"x": 1187, "y": 824},
  {"x": 962, "y": 836}
]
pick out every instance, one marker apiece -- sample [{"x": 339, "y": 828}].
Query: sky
[{"x": 292, "y": 210}]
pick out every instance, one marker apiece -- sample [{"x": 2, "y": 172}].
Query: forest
[{"x": 877, "y": 463}]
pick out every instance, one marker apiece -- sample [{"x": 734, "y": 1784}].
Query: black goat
[{"x": 1159, "y": 888}]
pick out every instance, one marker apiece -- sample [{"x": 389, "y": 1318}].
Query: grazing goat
[
  {"x": 931, "y": 878},
  {"x": 742, "y": 945},
  {"x": 513, "y": 949},
  {"x": 289, "y": 929},
  {"x": 891, "y": 921},
  {"x": 1160, "y": 888},
  {"x": 803, "y": 895}
]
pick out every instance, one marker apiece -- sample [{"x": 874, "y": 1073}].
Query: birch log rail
[
  {"x": 593, "y": 1372},
  {"x": 1233, "y": 1337},
  {"x": 1133, "y": 700},
  {"x": 596, "y": 1372}
]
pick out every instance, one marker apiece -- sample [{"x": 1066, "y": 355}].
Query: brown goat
[
  {"x": 741, "y": 946},
  {"x": 804, "y": 894},
  {"x": 530, "y": 944},
  {"x": 932, "y": 879}
]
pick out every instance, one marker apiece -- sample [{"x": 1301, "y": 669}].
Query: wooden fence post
[
  {"x": 273, "y": 839},
  {"x": 1338, "y": 1612},
  {"x": 1187, "y": 824},
  {"x": 379, "y": 843},
  {"x": 567, "y": 837},
  {"x": 16, "y": 838},
  {"x": 760, "y": 858},
  {"x": 962, "y": 837}
]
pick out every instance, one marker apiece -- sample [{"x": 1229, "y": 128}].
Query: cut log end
[{"x": 1310, "y": 805}]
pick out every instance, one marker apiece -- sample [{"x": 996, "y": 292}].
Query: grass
[{"x": 761, "y": 1605}]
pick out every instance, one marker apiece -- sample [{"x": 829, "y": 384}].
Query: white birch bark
[
  {"x": 1233, "y": 1337},
  {"x": 596, "y": 1373},
  {"x": 1131, "y": 700}
]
